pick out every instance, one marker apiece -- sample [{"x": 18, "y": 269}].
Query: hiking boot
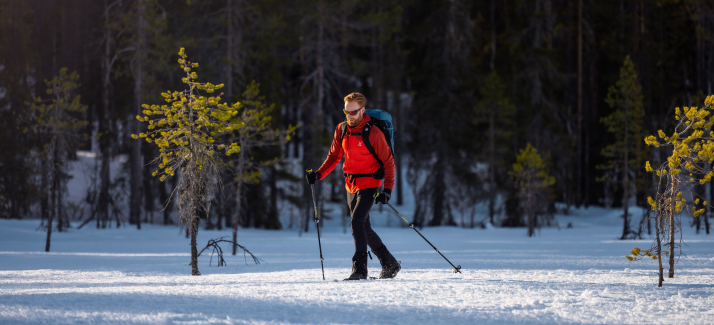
[
  {"x": 390, "y": 265},
  {"x": 359, "y": 267}
]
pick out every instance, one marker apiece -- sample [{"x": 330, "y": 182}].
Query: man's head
[{"x": 354, "y": 108}]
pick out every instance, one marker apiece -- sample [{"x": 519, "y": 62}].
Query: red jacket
[{"x": 358, "y": 160}]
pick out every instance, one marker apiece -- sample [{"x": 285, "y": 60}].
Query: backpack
[{"x": 383, "y": 121}]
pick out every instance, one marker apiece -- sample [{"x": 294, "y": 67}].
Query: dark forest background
[{"x": 469, "y": 84}]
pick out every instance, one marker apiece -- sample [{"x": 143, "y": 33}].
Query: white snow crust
[{"x": 561, "y": 276}]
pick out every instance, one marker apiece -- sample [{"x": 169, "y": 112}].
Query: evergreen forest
[{"x": 505, "y": 112}]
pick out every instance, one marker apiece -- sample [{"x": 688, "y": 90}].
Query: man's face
[{"x": 353, "y": 108}]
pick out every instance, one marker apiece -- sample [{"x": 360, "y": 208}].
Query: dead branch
[{"x": 216, "y": 249}]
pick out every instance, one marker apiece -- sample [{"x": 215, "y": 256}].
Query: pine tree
[
  {"x": 691, "y": 148},
  {"x": 440, "y": 160},
  {"x": 530, "y": 172},
  {"x": 145, "y": 26},
  {"x": 496, "y": 109},
  {"x": 54, "y": 121},
  {"x": 256, "y": 132},
  {"x": 105, "y": 133},
  {"x": 626, "y": 125},
  {"x": 185, "y": 132},
  {"x": 17, "y": 65}
]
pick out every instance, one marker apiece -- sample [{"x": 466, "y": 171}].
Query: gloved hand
[
  {"x": 312, "y": 177},
  {"x": 383, "y": 197}
]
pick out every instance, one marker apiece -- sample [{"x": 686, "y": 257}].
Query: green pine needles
[
  {"x": 530, "y": 172},
  {"x": 689, "y": 165},
  {"x": 185, "y": 131},
  {"x": 55, "y": 122},
  {"x": 257, "y": 132},
  {"x": 626, "y": 153},
  {"x": 56, "y": 117}
]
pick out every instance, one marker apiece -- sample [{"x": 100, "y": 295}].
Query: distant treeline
[{"x": 468, "y": 83}]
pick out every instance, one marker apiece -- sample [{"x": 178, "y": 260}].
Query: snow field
[{"x": 567, "y": 276}]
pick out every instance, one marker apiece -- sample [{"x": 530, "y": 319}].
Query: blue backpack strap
[{"x": 365, "y": 138}]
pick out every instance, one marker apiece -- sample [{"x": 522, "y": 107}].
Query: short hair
[{"x": 356, "y": 97}]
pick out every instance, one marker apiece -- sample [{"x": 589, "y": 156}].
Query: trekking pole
[
  {"x": 457, "y": 269},
  {"x": 317, "y": 225}
]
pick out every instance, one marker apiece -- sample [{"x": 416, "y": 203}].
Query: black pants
[{"x": 360, "y": 203}]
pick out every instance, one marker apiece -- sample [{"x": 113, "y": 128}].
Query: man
[{"x": 363, "y": 179}]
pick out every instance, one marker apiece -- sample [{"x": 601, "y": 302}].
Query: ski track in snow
[{"x": 567, "y": 276}]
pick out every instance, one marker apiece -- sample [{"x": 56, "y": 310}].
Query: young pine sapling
[
  {"x": 626, "y": 152},
  {"x": 257, "y": 132},
  {"x": 55, "y": 121},
  {"x": 531, "y": 175},
  {"x": 692, "y": 148},
  {"x": 185, "y": 131}
]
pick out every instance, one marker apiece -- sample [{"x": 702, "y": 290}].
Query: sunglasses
[{"x": 352, "y": 113}]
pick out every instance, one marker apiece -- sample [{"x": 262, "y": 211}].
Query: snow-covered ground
[
  {"x": 566, "y": 275},
  {"x": 576, "y": 275}
]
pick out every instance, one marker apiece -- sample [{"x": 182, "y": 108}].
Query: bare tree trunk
[
  {"x": 136, "y": 181},
  {"x": 53, "y": 199},
  {"x": 592, "y": 113},
  {"x": 273, "y": 216},
  {"x": 148, "y": 190},
  {"x": 54, "y": 175},
  {"x": 229, "y": 50},
  {"x": 671, "y": 243},
  {"x": 398, "y": 143},
  {"x": 194, "y": 252},
  {"x": 492, "y": 164},
  {"x": 104, "y": 145},
  {"x": 320, "y": 62},
  {"x": 313, "y": 115},
  {"x": 626, "y": 174},
  {"x": 398, "y": 148},
  {"x": 658, "y": 233},
  {"x": 239, "y": 194},
  {"x": 530, "y": 208},
  {"x": 579, "y": 175},
  {"x": 491, "y": 127},
  {"x": 438, "y": 196},
  {"x": 49, "y": 228},
  {"x": 58, "y": 199},
  {"x": 44, "y": 198},
  {"x": 53, "y": 193},
  {"x": 236, "y": 215},
  {"x": 105, "y": 179},
  {"x": 381, "y": 84},
  {"x": 492, "y": 63}
]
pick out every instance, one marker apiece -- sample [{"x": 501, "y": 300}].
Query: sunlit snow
[
  {"x": 573, "y": 275},
  {"x": 576, "y": 275}
]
